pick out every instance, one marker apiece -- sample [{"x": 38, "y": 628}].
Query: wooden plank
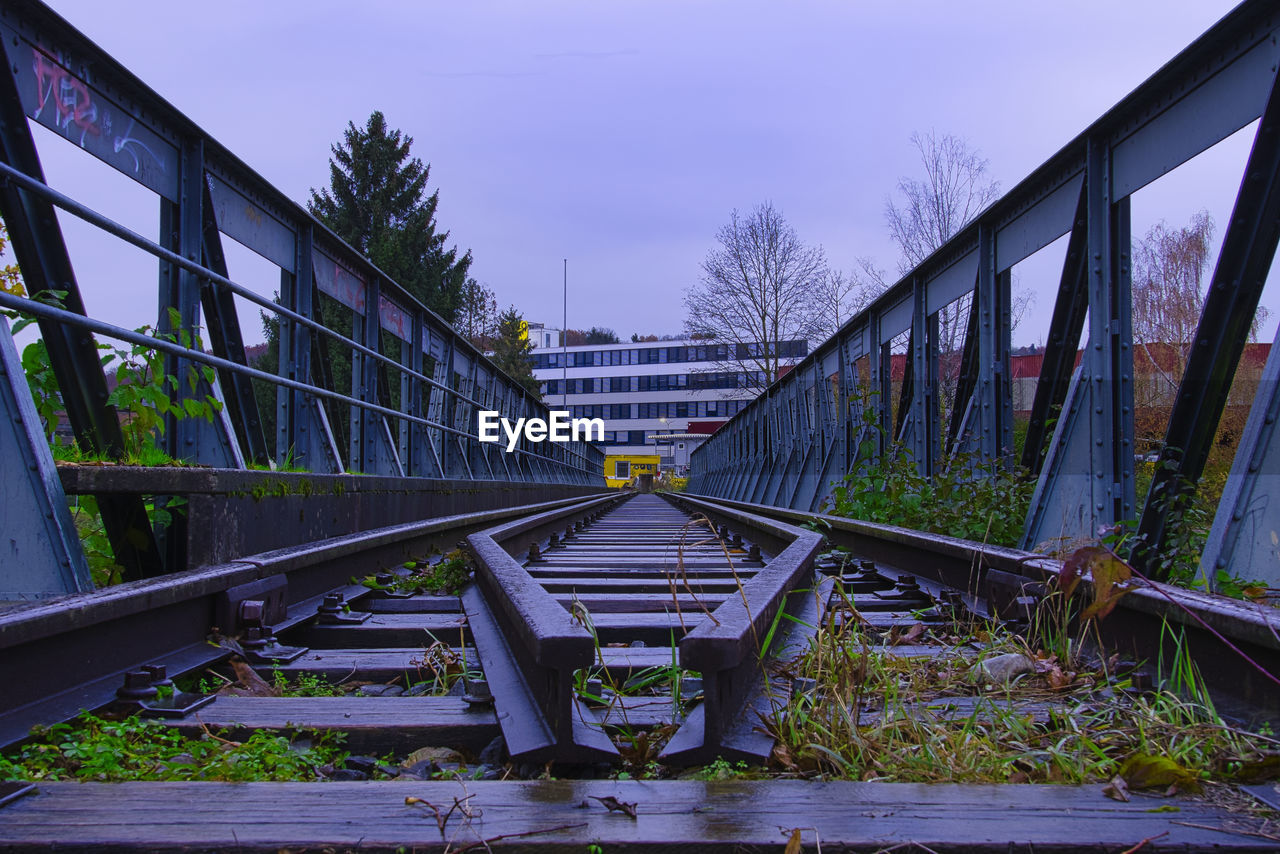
[
  {"x": 373, "y": 724},
  {"x": 610, "y": 563},
  {"x": 422, "y": 604},
  {"x": 889, "y": 619},
  {"x": 550, "y": 816},
  {"x": 384, "y": 665},
  {"x": 617, "y": 584},
  {"x": 649, "y": 627},
  {"x": 628, "y": 549},
  {"x": 636, "y": 713},
  {"x": 604, "y": 603},
  {"x": 384, "y": 630},
  {"x": 558, "y": 570}
]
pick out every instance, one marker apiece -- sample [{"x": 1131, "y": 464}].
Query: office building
[{"x": 648, "y": 388}]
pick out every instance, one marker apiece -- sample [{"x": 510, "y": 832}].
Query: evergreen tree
[
  {"x": 511, "y": 351},
  {"x": 477, "y": 317},
  {"x": 376, "y": 202}
]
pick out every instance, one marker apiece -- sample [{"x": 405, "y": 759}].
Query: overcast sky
[{"x": 621, "y": 135}]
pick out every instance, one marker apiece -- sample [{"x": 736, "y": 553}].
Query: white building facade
[{"x": 648, "y": 388}]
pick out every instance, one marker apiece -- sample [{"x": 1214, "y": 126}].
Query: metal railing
[
  {"x": 416, "y": 385},
  {"x": 863, "y": 394}
]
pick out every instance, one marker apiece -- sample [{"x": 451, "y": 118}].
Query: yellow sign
[{"x": 524, "y": 330}]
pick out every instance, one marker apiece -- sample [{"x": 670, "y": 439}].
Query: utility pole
[{"x": 564, "y": 341}]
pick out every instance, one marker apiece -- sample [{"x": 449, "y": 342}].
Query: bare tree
[
  {"x": 840, "y": 296},
  {"x": 477, "y": 317},
  {"x": 955, "y": 188},
  {"x": 758, "y": 289},
  {"x": 1170, "y": 278},
  {"x": 1169, "y": 269}
]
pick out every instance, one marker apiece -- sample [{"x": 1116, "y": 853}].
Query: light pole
[{"x": 564, "y": 341}]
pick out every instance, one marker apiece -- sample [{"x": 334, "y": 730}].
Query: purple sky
[{"x": 621, "y": 134}]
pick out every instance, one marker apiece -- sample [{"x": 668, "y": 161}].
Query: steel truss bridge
[
  {"x": 408, "y": 415},
  {"x": 807, "y": 430},
  {"x": 309, "y": 478}
]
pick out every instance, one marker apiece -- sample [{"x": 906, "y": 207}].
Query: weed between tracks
[
  {"x": 93, "y": 748},
  {"x": 446, "y": 576},
  {"x": 955, "y": 717}
]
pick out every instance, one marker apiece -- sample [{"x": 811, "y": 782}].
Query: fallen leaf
[
  {"x": 1059, "y": 680},
  {"x": 1073, "y": 567},
  {"x": 794, "y": 845},
  {"x": 911, "y": 635},
  {"x": 1117, "y": 790},
  {"x": 614, "y": 805},
  {"x": 1256, "y": 592},
  {"x": 250, "y": 680},
  {"x": 1143, "y": 771},
  {"x": 1111, "y": 576},
  {"x": 782, "y": 756},
  {"x": 431, "y": 754}
]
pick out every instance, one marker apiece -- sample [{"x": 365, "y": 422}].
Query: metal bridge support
[
  {"x": 385, "y": 422},
  {"x": 371, "y": 442},
  {"x": 1243, "y": 542},
  {"x": 40, "y": 547},
  {"x": 923, "y": 365},
  {"x": 993, "y": 404},
  {"x": 303, "y": 437},
  {"x": 1087, "y": 478},
  {"x": 1085, "y": 469},
  {"x": 1248, "y": 249},
  {"x": 37, "y": 244},
  {"x": 1064, "y": 339},
  {"x": 194, "y": 439},
  {"x": 227, "y": 342}
]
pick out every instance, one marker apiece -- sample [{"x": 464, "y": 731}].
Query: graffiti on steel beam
[{"x": 69, "y": 104}]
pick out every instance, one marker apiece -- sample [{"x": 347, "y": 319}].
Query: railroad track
[{"x": 592, "y": 626}]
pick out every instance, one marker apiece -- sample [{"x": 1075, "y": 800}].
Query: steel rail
[
  {"x": 999, "y": 581},
  {"x": 731, "y": 648},
  {"x": 533, "y": 642},
  {"x": 71, "y": 653}
]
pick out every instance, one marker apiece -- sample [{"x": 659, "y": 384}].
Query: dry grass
[{"x": 874, "y": 715}]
